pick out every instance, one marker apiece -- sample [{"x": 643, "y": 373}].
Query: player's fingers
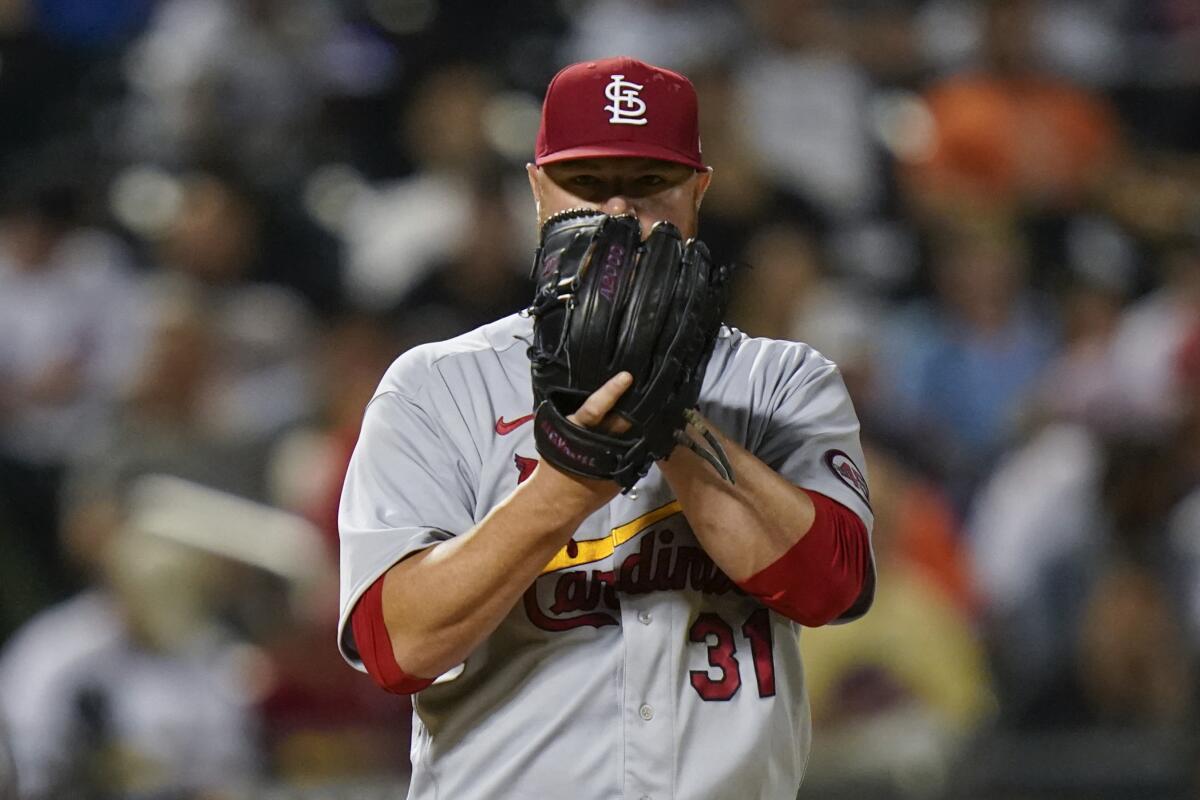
[
  {"x": 601, "y": 401},
  {"x": 615, "y": 423}
]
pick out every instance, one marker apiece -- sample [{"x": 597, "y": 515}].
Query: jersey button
[
  {"x": 645, "y": 617},
  {"x": 647, "y": 712}
]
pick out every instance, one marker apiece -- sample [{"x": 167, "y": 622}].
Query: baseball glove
[{"x": 606, "y": 302}]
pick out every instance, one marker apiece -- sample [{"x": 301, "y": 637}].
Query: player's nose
[{"x": 619, "y": 204}]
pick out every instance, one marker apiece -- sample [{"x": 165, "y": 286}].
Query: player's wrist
[{"x": 570, "y": 497}]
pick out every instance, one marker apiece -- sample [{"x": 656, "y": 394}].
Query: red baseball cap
[{"x": 619, "y": 107}]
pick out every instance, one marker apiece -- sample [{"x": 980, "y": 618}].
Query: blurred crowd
[{"x": 220, "y": 220}]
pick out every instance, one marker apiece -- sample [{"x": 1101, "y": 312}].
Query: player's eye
[
  {"x": 583, "y": 181},
  {"x": 651, "y": 181}
]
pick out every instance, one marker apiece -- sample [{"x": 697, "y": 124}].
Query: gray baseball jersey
[{"x": 633, "y": 667}]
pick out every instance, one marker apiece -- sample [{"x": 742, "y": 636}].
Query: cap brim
[{"x": 621, "y": 150}]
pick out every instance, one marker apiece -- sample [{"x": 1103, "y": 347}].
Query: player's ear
[
  {"x": 703, "y": 179},
  {"x": 533, "y": 171}
]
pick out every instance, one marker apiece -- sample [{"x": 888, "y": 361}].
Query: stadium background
[{"x": 221, "y": 219}]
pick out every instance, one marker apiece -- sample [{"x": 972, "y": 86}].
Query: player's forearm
[
  {"x": 442, "y": 603},
  {"x": 800, "y": 553},
  {"x": 746, "y": 526}
]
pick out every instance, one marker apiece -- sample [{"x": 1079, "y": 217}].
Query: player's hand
[
  {"x": 587, "y": 494},
  {"x": 595, "y": 411}
]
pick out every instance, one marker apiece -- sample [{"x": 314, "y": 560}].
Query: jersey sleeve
[
  {"x": 811, "y": 433},
  {"x": 407, "y": 488},
  {"x": 811, "y": 437}
]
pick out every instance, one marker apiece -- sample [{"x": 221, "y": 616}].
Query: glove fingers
[
  {"x": 597, "y": 321},
  {"x": 657, "y": 275},
  {"x": 675, "y": 361},
  {"x": 566, "y": 239}
]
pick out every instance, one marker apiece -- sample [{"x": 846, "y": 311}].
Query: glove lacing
[{"x": 715, "y": 456}]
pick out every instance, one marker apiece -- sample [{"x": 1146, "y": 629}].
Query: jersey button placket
[{"x": 649, "y": 672}]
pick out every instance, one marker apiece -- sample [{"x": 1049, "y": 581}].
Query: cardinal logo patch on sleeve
[{"x": 848, "y": 473}]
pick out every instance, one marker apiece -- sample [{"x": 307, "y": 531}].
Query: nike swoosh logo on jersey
[{"x": 504, "y": 427}]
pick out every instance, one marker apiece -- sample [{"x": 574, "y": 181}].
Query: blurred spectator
[
  {"x": 67, "y": 339},
  {"x": 745, "y": 193},
  {"x": 260, "y": 372},
  {"x": 395, "y": 234},
  {"x": 1154, "y": 196},
  {"x": 227, "y": 80},
  {"x": 309, "y": 464},
  {"x": 166, "y": 424},
  {"x": 785, "y": 293},
  {"x": 317, "y": 719},
  {"x": 483, "y": 276},
  {"x": 1161, "y": 104},
  {"x": 782, "y": 276},
  {"x": 322, "y": 721},
  {"x": 805, "y": 105},
  {"x": 1150, "y": 336},
  {"x": 960, "y": 368},
  {"x": 664, "y": 32},
  {"x": 1077, "y": 39},
  {"x": 882, "y": 36},
  {"x": 1079, "y": 576},
  {"x": 139, "y": 685},
  {"x": 1032, "y": 522},
  {"x": 909, "y": 682},
  {"x": 1135, "y": 664},
  {"x": 1184, "y": 523},
  {"x": 1010, "y": 136},
  {"x": 1117, "y": 369},
  {"x": 1078, "y": 383},
  {"x": 68, "y": 342}
]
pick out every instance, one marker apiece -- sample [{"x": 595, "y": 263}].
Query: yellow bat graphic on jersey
[{"x": 575, "y": 554}]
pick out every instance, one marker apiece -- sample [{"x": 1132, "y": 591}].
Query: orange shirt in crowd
[{"x": 1013, "y": 141}]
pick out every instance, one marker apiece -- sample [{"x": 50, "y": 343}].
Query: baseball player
[{"x": 564, "y": 640}]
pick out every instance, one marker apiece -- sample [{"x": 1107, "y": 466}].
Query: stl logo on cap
[{"x": 627, "y": 107}]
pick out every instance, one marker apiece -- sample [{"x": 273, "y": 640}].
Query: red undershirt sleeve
[
  {"x": 826, "y": 575},
  {"x": 375, "y": 646}
]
